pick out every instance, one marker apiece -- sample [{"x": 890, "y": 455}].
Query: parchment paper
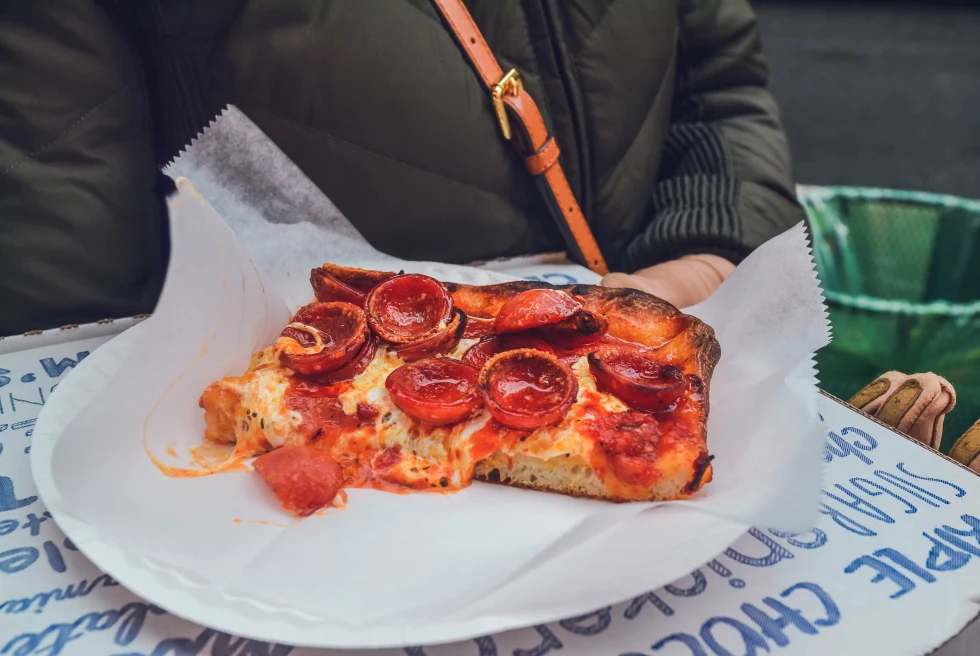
[{"x": 377, "y": 560}]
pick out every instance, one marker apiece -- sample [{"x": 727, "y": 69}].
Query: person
[
  {"x": 916, "y": 406},
  {"x": 671, "y": 142}
]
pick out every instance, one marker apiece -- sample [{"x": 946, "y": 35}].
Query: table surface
[{"x": 55, "y": 602}]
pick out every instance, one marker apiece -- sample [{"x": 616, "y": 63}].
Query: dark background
[{"x": 878, "y": 94}]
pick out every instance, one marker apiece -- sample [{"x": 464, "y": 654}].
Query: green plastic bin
[{"x": 901, "y": 274}]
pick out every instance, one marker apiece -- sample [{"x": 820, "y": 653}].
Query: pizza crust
[
  {"x": 633, "y": 315},
  {"x": 678, "y": 339},
  {"x": 575, "y": 477}
]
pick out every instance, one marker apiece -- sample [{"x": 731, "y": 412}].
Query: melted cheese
[
  {"x": 418, "y": 455},
  {"x": 259, "y": 415},
  {"x": 555, "y": 441},
  {"x": 429, "y": 453}
]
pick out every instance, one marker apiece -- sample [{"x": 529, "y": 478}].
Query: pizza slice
[{"x": 408, "y": 383}]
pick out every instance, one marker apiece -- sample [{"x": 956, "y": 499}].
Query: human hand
[
  {"x": 966, "y": 450},
  {"x": 683, "y": 282},
  {"x": 914, "y": 405}
]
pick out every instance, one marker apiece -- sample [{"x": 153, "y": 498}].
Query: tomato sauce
[
  {"x": 490, "y": 439},
  {"x": 527, "y": 384},
  {"x": 322, "y": 417},
  {"x": 367, "y": 414},
  {"x": 628, "y": 445}
]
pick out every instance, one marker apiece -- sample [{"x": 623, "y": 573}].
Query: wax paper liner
[{"x": 396, "y": 563}]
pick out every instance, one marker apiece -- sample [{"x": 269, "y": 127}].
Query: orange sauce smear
[{"x": 262, "y": 522}]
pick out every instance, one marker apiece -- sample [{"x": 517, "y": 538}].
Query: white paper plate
[
  {"x": 397, "y": 570},
  {"x": 659, "y": 557}
]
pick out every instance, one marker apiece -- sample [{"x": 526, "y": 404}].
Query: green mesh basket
[{"x": 901, "y": 274}]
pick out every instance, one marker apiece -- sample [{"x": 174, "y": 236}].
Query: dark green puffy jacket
[{"x": 669, "y": 138}]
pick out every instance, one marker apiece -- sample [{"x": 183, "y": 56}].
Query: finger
[
  {"x": 617, "y": 280},
  {"x": 871, "y": 398},
  {"x": 648, "y": 285},
  {"x": 918, "y": 407},
  {"x": 967, "y": 448}
]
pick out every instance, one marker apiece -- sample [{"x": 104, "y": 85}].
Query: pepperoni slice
[
  {"x": 322, "y": 337},
  {"x": 582, "y": 328},
  {"x": 304, "y": 478},
  {"x": 477, "y": 355},
  {"x": 535, "y": 307},
  {"x": 356, "y": 366},
  {"x": 571, "y": 355},
  {"x": 328, "y": 288},
  {"x": 526, "y": 389},
  {"x": 517, "y": 341},
  {"x": 409, "y": 308},
  {"x": 438, "y": 391},
  {"x": 490, "y": 345},
  {"x": 443, "y": 340},
  {"x": 638, "y": 381},
  {"x": 477, "y": 327},
  {"x": 360, "y": 279},
  {"x": 629, "y": 442}
]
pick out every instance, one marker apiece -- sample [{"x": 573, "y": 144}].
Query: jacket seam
[
  {"x": 636, "y": 134},
  {"x": 40, "y": 149},
  {"x": 598, "y": 24},
  {"x": 435, "y": 19},
  {"x": 387, "y": 158}
]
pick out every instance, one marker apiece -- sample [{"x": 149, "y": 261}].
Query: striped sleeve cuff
[{"x": 695, "y": 204}]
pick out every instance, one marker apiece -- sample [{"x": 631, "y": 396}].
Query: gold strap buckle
[{"x": 510, "y": 85}]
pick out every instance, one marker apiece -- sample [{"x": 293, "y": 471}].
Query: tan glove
[
  {"x": 967, "y": 448},
  {"x": 914, "y": 405},
  {"x": 683, "y": 282}
]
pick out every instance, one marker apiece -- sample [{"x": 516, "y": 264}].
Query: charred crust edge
[{"x": 701, "y": 465}]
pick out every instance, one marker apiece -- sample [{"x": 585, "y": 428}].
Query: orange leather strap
[
  {"x": 544, "y": 158},
  {"x": 539, "y": 149}
]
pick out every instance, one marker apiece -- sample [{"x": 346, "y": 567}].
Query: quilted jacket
[{"x": 669, "y": 138}]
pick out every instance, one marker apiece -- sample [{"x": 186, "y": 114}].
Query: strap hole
[{"x": 472, "y": 39}]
